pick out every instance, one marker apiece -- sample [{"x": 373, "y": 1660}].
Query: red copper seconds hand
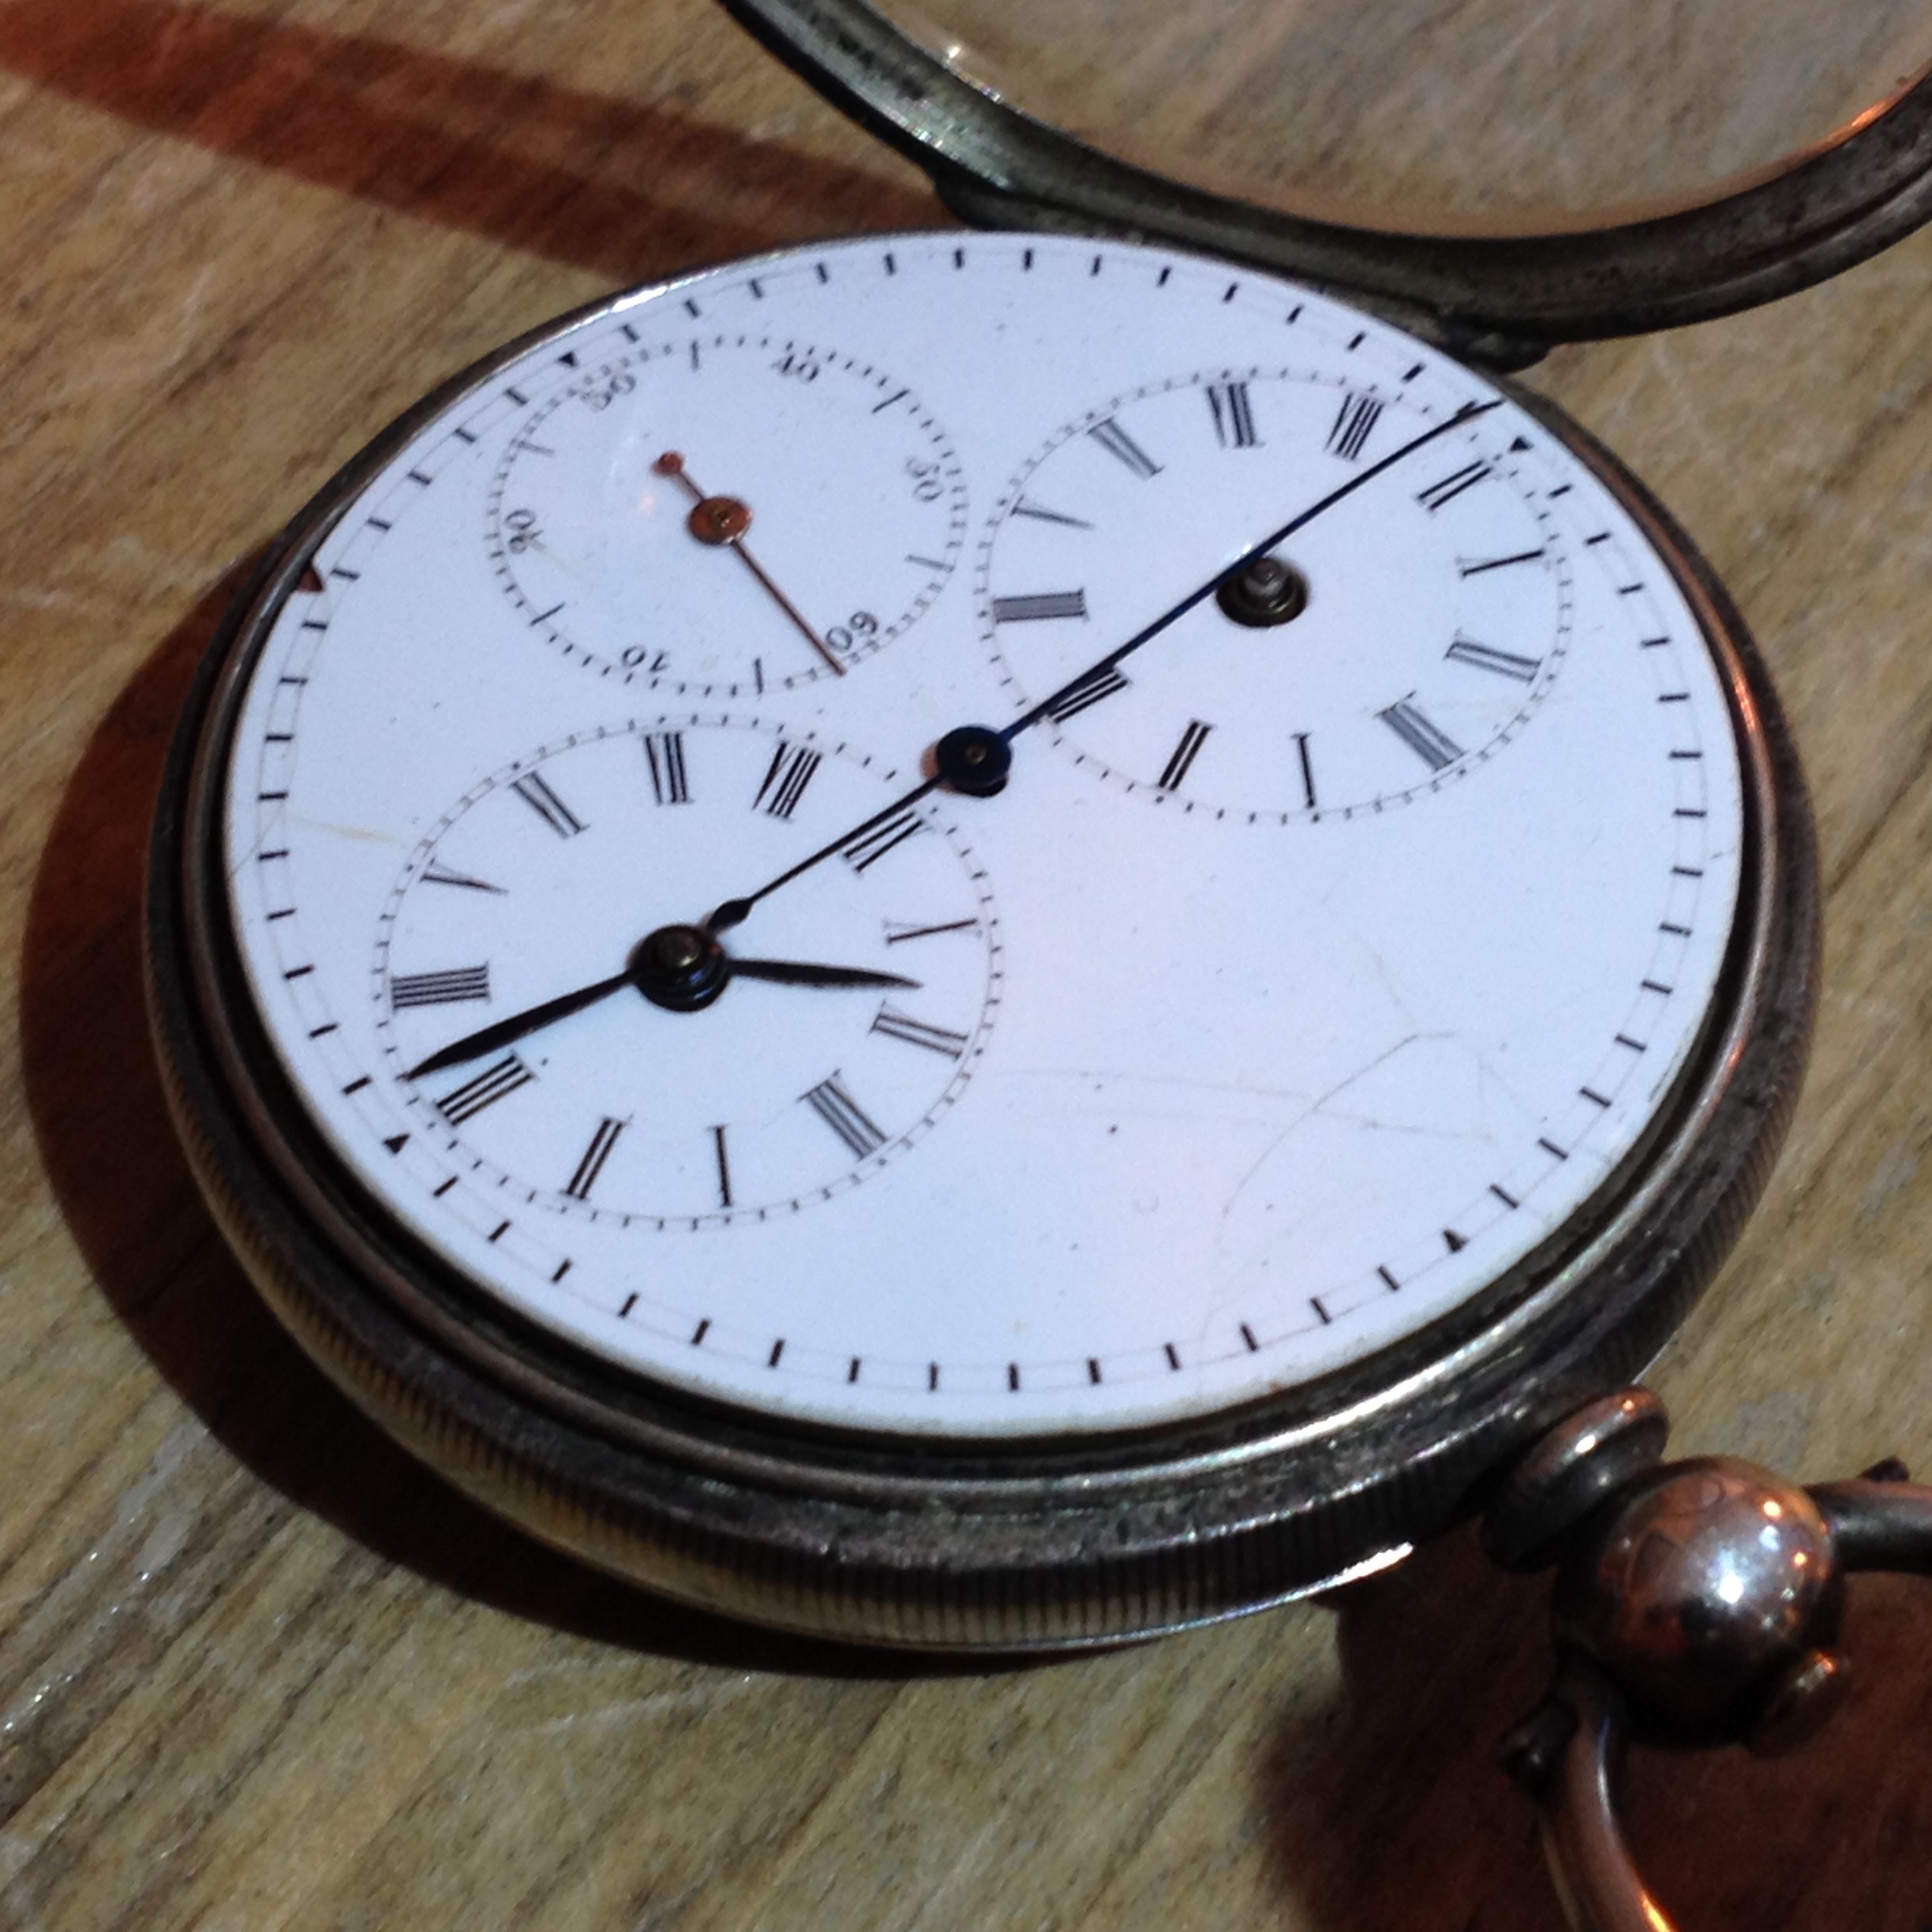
[{"x": 722, "y": 522}]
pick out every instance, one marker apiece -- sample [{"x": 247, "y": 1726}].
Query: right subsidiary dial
[{"x": 1391, "y": 648}]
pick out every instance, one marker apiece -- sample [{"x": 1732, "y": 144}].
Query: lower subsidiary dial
[
  {"x": 563, "y": 1021},
  {"x": 1391, "y": 648}
]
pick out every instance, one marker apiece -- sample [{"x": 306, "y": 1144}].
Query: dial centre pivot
[
  {"x": 681, "y": 968},
  {"x": 1263, "y": 592},
  {"x": 714, "y": 520},
  {"x": 974, "y": 759},
  {"x": 719, "y": 519}
]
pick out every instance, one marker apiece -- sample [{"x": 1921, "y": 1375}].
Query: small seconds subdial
[
  {"x": 1391, "y": 648},
  {"x": 558, "y": 1015},
  {"x": 726, "y": 515}
]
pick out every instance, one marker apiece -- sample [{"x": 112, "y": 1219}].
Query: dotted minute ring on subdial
[
  {"x": 626, "y": 503},
  {"x": 1402, "y": 639}
]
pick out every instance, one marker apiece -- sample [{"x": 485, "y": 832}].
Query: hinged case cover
[{"x": 1498, "y": 176}]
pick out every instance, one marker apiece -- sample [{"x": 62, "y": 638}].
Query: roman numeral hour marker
[
  {"x": 535, "y": 792},
  {"x": 844, "y": 1116},
  {"x": 1428, "y": 742},
  {"x": 1117, "y": 443},
  {"x": 439, "y": 989}
]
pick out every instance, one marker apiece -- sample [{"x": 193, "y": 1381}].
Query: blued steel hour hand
[
  {"x": 810, "y": 973},
  {"x": 681, "y": 968}
]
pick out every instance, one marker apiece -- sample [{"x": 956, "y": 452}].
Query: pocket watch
[
  {"x": 1003, "y": 939},
  {"x": 999, "y": 938},
  {"x": 977, "y": 938}
]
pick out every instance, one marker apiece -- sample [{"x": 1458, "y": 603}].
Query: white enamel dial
[
  {"x": 1232, "y": 1092},
  {"x": 851, "y": 496}
]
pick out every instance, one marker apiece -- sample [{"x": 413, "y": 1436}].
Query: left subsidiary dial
[
  {"x": 560, "y": 1021},
  {"x": 727, "y": 515}
]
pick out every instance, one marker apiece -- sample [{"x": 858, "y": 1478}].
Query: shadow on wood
[
  {"x": 126, "y": 1192},
  {"x": 1385, "y": 1809},
  {"x": 627, "y": 189}
]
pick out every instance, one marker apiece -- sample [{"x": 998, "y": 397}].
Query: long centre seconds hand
[{"x": 733, "y": 912}]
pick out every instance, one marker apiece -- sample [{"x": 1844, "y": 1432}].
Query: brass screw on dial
[{"x": 1264, "y": 592}]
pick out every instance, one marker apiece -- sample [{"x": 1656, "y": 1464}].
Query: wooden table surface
[{"x": 258, "y": 1670}]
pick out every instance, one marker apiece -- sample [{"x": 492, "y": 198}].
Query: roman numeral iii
[
  {"x": 439, "y": 989},
  {"x": 1233, "y": 411},
  {"x": 844, "y": 1116},
  {"x": 1040, "y": 605},
  {"x": 1356, "y": 417},
  {"x": 1428, "y": 742},
  {"x": 664, "y": 755}
]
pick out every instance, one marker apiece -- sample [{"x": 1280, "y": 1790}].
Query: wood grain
[{"x": 258, "y": 1670}]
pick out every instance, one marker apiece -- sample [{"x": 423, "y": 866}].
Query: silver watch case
[{"x": 971, "y": 1544}]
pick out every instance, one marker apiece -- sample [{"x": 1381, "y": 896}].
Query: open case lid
[{"x": 1498, "y": 175}]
